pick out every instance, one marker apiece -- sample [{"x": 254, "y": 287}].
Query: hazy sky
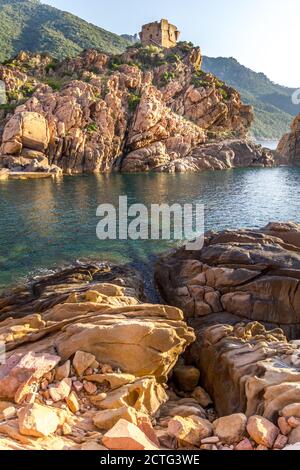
[{"x": 261, "y": 34}]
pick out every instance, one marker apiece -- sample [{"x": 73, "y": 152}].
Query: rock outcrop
[
  {"x": 289, "y": 145},
  {"x": 99, "y": 319},
  {"x": 78, "y": 342},
  {"x": 241, "y": 295},
  {"x": 220, "y": 155},
  {"x": 90, "y": 365},
  {"x": 243, "y": 275},
  {"x": 25, "y": 130},
  {"x": 147, "y": 109}
]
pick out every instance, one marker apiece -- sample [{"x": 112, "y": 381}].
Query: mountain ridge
[{"x": 272, "y": 102}]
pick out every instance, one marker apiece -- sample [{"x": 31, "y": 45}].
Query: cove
[{"x": 46, "y": 224}]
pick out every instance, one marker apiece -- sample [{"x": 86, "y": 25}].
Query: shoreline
[{"x": 57, "y": 318}]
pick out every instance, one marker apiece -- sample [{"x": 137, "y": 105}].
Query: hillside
[
  {"x": 30, "y": 25},
  {"x": 147, "y": 109},
  {"x": 274, "y": 110}
]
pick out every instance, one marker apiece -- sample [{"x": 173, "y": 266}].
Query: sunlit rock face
[
  {"x": 140, "y": 111},
  {"x": 84, "y": 351},
  {"x": 289, "y": 145}
]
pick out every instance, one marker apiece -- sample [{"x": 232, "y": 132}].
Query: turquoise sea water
[{"x": 45, "y": 223}]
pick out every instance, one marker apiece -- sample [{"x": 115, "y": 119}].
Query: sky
[{"x": 261, "y": 34}]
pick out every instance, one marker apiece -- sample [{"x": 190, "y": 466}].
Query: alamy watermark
[
  {"x": 178, "y": 222},
  {"x": 2, "y": 353},
  {"x": 3, "y": 98},
  {"x": 296, "y": 97}
]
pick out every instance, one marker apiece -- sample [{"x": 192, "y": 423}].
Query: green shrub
[
  {"x": 8, "y": 106},
  {"x": 55, "y": 84},
  {"x": 219, "y": 84},
  {"x": 173, "y": 58},
  {"x": 133, "y": 101},
  {"x": 151, "y": 56},
  {"x": 167, "y": 77},
  {"x": 224, "y": 94},
  {"x": 28, "y": 89},
  {"x": 135, "y": 64},
  {"x": 115, "y": 62},
  {"x": 185, "y": 46},
  {"x": 92, "y": 127},
  {"x": 51, "y": 66},
  {"x": 94, "y": 70},
  {"x": 13, "y": 95},
  {"x": 200, "y": 83}
]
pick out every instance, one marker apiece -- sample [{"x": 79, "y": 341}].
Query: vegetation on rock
[
  {"x": 32, "y": 26},
  {"x": 150, "y": 106}
]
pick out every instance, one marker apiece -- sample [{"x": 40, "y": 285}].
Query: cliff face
[
  {"x": 93, "y": 112},
  {"x": 289, "y": 146}
]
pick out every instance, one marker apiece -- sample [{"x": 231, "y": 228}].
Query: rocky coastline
[
  {"x": 91, "y": 364},
  {"x": 148, "y": 109}
]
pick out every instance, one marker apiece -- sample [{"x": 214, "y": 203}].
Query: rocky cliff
[
  {"x": 147, "y": 109},
  {"x": 289, "y": 146}
]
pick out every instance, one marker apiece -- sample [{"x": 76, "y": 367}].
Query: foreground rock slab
[{"x": 86, "y": 354}]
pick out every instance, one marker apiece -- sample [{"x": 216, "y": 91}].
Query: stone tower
[{"x": 161, "y": 34}]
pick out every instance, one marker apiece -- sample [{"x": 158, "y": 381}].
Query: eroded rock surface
[
  {"x": 90, "y": 364},
  {"x": 241, "y": 294},
  {"x": 79, "y": 343},
  {"x": 146, "y": 110},
  {"x": 243, "y": 275}
]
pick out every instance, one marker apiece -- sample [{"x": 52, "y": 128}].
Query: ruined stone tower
[{"x": 161, "y": 34}]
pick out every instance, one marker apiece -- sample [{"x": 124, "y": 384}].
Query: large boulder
[{"x": 25, "y": 130}]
